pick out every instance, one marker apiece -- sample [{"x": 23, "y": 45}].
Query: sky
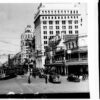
[
  {"x": 13, "y": 20},
  {"x": 14, "y": 17}
]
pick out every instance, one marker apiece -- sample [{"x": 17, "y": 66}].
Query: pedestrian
[
  {"x": 46, "y": 79},
  {"x": 34, "y": 75},
  {"x": 29, "y": 80}
]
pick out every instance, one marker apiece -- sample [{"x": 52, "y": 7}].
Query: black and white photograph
[{"x": 44, "y": 50}]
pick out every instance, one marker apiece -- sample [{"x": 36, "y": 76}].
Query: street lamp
[{"x": 69, "y": 52}]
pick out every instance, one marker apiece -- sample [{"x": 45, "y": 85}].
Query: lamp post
[{"x": 69, "y": 57}]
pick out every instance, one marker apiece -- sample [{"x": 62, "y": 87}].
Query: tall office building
[
  {"x": 55, "y": 19},
  {"x": 26, "y": 41}
]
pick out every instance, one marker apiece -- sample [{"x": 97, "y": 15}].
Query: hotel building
[{"x": 56, "y": 19}]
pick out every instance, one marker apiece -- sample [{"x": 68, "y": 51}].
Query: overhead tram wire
[{"x": 8, "y": 43}]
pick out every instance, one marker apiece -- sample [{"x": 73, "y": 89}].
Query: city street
[{"x": 38, "y": 85}]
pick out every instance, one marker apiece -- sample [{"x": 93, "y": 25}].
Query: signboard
[
  {"x": 70, "y": 37},
  {"x": 68, "y": 51}
]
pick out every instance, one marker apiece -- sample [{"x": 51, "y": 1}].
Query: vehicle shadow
[{"x": 8, "y": 77}]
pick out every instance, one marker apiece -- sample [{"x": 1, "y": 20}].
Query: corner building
[
  {"x": 26, "y": 39},
  {"x": 55, "y": 19}
]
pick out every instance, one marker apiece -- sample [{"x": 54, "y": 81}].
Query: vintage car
[
  {"x": 54, "y": 78},
  {"x": 73, "y": 78}
]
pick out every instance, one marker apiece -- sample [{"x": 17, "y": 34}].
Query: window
[
  {"x": 70, "y": 32},
  {"x": 44, "y": 22},
  {"x": 63, "y": 32},
  {"x": 51, "y": 37},
  {"x": 45, "y": 17},
  {"x": 28, "y": 35},
  {"x": 57, "y": 32},
  {"x": 74, "y": 11},
  {"x": 50, "y": 22},
  {"x": 45, "y": 47},
  {"x": 45, "y": 42},
  {"x": 50, "y": 27},
  {"x": 45, "y": 32},
  {"x": 65, "y": 11},
  {"x": 63, "y": 22},
  {"x": 76, "y": 32},
  {"x": 63, "y": 27},
  {"x": 42, "y": 11},
  {"x": 57, "y": 27},
  {"x": 71, "y": 11},
  {"x": 70, "y": 27},
  {"x": 51, "y": 32},
  {"x": 45, "y": 37},
  {"x": 45, "y": 11},
  {"x": 48, "y": 17},
  {"x": 61, "y": 17},
  {"x": 77, "y": 11},
  {"x": 70, "y": 21},
  {"x": 42, "y": 17},
  {"x": 58, "y": 17},
  {"x": 76, "y": 21},
  {"x": 69, "y": 45},
  {"x": 52, "y": 17},
  {"x": 48, "y": 11},
  {"x": 76, "y": 27},
  {"x": 73, "y": 45},
  {"x": 65, "y": 17},
  {"x": 57, "y": 22},
  {"x": 44, "y": 27}
]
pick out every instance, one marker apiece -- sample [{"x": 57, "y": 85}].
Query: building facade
[
  {"x": 26, "y": 44},
  {"x": 52, "y": 20},
  {"x": 69, "y": 57}
]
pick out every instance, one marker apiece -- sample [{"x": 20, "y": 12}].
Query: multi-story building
[
  {"x": 26, "y": 44},
  {"x": 55, "y": 19},
  {"x": 68, "y": 56}
]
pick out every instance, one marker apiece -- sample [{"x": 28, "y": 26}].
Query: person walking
[
  {"x": 46, "y": 79},
  {"x": 29, "y": 81}
]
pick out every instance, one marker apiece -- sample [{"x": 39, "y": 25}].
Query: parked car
[
  {"x": 42, "y": 75},
  {"x": 73, "y": 78},
  {"x": 54, "y": 78}
]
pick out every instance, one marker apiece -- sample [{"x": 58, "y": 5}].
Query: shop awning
[
  {"x": 85, "y": 62},
  {"x": 71, "y": 63},
  {"x": 55, "y": 64}
]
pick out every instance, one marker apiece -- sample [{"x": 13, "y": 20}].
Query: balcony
[{"x": 72, "y": 61}]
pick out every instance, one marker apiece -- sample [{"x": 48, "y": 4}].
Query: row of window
[
  {"x": 25, "y": 43},
  {"x": 26, "y": 36},
  {"x": 59, "y": 11},
  {"x": 58, "y": 27},
  {"x": 71, "y": 45},
  {"x": 45, "y": 37},
  {"x": 63, "y": 22},
  {"x": 59, "y": 17},
  {"x": 57, "y": 32}
]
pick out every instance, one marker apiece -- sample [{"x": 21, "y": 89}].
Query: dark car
[
  {"x": 42, "y": 75},
  {"x": 54, "y": 78},
  {"x": 73, "y": 78}
]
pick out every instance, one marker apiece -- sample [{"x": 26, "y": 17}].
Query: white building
[
  {"x": 26, "y": 40},
  {"x": 55, "y": 19}
]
